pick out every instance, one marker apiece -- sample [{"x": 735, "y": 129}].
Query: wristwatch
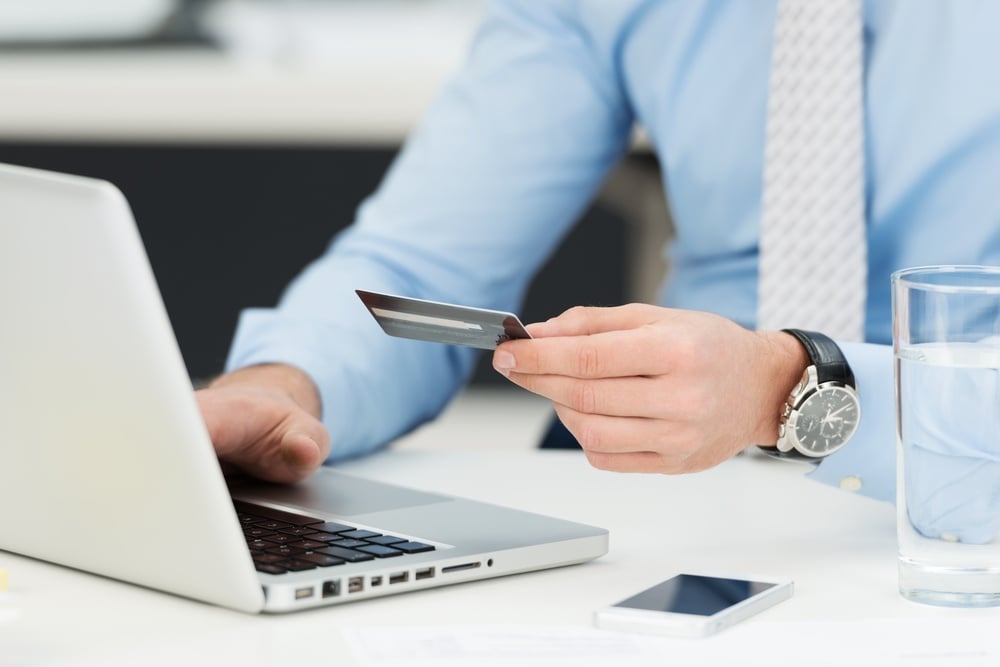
[{"x": 823, "y": 411}]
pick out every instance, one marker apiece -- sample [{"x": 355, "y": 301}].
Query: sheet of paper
[
  {"x": 7, "y": 614},
  {"x": 961, "y": 638}
]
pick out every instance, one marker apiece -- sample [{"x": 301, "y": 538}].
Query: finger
[
  {"x": 673, "y": 441},
  {"x": 620, "y": 397},
  {"x": 587, "y": 320},
  {"x": 619, "y": 353},
  {"x": 302, "y": 430},
  {"x": 264, "y": 434},
  {"x": 303, "y": 443},
  {"x": 300, "y": 454},
  {"x": 649, "y": 462},
  {"x": 680, "y": 446},
  {"x": 285, "y": 458}
]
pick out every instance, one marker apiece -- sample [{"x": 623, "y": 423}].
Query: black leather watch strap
[{"x": 826, "y": 356}]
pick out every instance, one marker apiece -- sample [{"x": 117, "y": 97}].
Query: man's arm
[
  {"x": 651, "y": 389},
  {"x": 504, "y": 162}
]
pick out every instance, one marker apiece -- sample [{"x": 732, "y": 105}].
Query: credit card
[{"x": 437, "y": 322}]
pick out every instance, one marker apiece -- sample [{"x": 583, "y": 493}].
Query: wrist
[
  {"x": 785, "y": 361},
  {"x": 286, "y": 378}
]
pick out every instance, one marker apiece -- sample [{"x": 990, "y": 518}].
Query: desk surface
[{"x": 751, "y": 515}]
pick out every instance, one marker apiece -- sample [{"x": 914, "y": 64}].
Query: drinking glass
[{"x": 946, "y": 340}]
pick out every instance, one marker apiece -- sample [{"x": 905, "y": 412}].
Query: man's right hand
[{"x": 265, "y": 421}]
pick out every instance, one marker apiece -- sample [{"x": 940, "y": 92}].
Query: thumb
[{"x": 300, "y": 452}]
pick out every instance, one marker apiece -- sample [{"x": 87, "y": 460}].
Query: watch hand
[{"x": 835, "y": 412}]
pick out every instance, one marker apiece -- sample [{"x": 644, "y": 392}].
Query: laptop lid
[
  {"x": 100, "y": 434},
  {"x": 106, "y": 466}
]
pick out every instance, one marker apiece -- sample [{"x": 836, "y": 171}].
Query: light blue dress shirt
[{"x": 515, "y": 147}]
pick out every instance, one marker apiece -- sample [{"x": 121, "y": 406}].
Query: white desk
[{"x": 750, "y": 515}]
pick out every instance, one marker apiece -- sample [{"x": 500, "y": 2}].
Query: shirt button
[{"x": 851, "y": 483}]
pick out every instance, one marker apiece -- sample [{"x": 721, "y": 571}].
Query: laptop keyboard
[{"x": 282, "y": 541}]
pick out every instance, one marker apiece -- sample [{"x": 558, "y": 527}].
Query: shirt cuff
[{"x": 867, "y": 463}]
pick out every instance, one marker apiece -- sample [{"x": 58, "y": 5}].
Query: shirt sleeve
[
  {"x": 867, "y": 463},
  {"x": 503, "y": 163}
]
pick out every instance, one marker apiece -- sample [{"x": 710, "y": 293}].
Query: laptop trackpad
[{"x": 334, "y": 493}]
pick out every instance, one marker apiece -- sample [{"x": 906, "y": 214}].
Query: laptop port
[
  {"x": 331, "y": 588},
  {"x": 399, "y": 577},
  {"x": 459, "y": 568},
  {"x": 355, "y": 584},
  {"x": 303, "y": 593},
  {"x": 376, "y": 581},
  {"x": 424, "y": 573}
]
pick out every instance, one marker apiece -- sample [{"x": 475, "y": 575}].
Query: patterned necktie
[{"x": 813, "y": 264}]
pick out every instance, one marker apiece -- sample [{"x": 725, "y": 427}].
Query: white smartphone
[{"x": 692, "y": 605}]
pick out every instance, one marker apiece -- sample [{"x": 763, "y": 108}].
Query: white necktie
[{"x": 813, "y": 264}]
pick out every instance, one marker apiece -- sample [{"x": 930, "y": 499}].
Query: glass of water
[{"x": 946, "y": 338}]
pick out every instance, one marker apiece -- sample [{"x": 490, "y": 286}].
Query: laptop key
[
  {"x": 359, "y": 534},
  {"x": 348, "y": 544},
  {"x": 262, "y": 557},
  {"x": 271, "y": 524},
  {"x": 307, "y": 545},
  {"x": 291, "y": 518},
  {"x": 349, "y": 555},
  {"x": 259, "y": 545},
  {"x": 254, "y": 531},
  {"x": 413, "y": 547},
  {"x": 332, "y": 527},
  {"x": 321, "y": 559},
  {"x": 386, "y": 539},
  {"x": 298, "y": 565},
  {"x": 325, "y": 537},
  {"x": 284, "y": 550},
  {"x": 271, "y": 568},
  {"x": 380, "y": 551},
  {"x": 297, "y": 531}
]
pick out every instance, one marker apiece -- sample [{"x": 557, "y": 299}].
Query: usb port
[
  {"x": 303, "y": 593},
  {"x": 424, "y": 573},
  {"x": 376, "y": 581},
  {"x": 399, "y": 577},
  {"x": 355, "y": 584},
  {"x": 331, "y": 588}
]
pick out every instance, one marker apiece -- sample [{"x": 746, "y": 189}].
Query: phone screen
[{"x": 695, "y": 594}]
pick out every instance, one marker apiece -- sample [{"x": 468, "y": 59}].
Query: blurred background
[{"x": 246, "y": 132}]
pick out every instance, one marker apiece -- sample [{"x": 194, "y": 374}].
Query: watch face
[{"x": 826, "y": 420}]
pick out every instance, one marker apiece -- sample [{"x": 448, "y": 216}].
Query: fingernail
[{"x": 503, "y": 361}]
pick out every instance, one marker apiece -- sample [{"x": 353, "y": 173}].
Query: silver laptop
[{"x": 106, "y": 465}]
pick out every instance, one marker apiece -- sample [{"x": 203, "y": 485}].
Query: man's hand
[
  {"x": 265, "y": 420},
  {"x": 651, "y": 389}
]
